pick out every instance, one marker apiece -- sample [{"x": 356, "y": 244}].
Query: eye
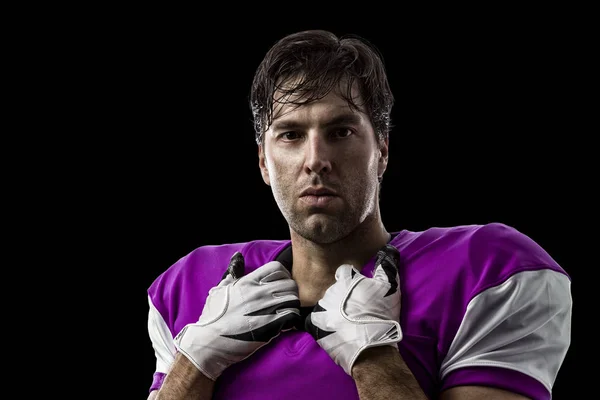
[
  {"x": 291, "y": 135},
  {"x": 341, "y": 132}
]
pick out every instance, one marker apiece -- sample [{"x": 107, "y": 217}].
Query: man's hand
[
  {"x": 357, "y": 312},
  {"x": 242, "y": 314}
]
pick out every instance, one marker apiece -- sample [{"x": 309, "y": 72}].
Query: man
[{"x": 346, "y": 309}]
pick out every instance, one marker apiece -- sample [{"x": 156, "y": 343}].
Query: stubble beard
[
  {"x": 328, "y": 228},
  {"x": 321, "y": 229}
]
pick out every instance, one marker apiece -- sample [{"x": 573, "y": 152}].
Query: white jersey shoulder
[{"x": 523, "y": 324}]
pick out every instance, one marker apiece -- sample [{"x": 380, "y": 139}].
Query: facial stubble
[{"x": 326, "y": 226}]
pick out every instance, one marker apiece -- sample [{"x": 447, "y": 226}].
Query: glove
[
  {"x": 241, "y": 314},
  {"x": 357, "y": 312}
]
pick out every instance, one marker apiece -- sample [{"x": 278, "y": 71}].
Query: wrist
[
  {"x": 198, "y": 344},
  {"x": 381, "y": 373},
  {"x": 373, "y": 358},
  {"x": 184, "y": 380}
]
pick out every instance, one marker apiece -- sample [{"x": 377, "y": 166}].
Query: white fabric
[
  {"x": 524, "y": 324},
  {"x": 161, "y": 339}
]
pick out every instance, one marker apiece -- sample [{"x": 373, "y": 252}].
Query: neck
[{"x": 315, "y": 263}]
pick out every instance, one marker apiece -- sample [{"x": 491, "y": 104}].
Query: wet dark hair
[{"x": 317, "y": 61}]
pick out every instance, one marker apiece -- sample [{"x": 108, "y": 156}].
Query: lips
[
  {"x": 318, "y": 197},
  {"x": 319, "y": 191}
]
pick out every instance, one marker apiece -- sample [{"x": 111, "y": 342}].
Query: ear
[
  {"x": 262, "y": 164},
  {"x": 383, "y": 155}
]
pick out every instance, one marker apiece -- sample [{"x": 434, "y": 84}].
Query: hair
[{"x": 312, "y": 63}]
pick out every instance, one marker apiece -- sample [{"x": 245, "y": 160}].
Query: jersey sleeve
[
  {"x": 162, "y": 343},
  {"x": 516, "y": 330}
]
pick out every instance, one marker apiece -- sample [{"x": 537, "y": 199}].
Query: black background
[{"x": 489, "y": 127}]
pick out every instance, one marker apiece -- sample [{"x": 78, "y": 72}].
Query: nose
[{"x": 318, "y": 155}]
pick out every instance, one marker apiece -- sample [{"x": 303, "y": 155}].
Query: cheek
[
  {"x": 362, "y": 164},
  {"x": 282, "y": 164},
  {"x": 278, "y": 171}
]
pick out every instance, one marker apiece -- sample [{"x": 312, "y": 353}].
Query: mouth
[
  {"x": 321, "y": 191},
  {"x": 318, "y": 197},
  {"x": 317, "y": 201}
]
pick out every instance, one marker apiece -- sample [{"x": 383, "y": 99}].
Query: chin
[{"x": 321, "y": 230}]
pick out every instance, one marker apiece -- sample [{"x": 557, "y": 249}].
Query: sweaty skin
[{"x": 325, "y": 145}]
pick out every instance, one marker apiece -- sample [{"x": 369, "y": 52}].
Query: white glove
[
  {"x": 241, "y": 314},
  {"x": 357, "y": 312}
]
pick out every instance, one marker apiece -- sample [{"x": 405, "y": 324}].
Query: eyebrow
[{"x": 342, "y": 119}]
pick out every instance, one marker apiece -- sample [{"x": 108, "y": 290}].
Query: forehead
[{"x": 294, "y": 101}]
